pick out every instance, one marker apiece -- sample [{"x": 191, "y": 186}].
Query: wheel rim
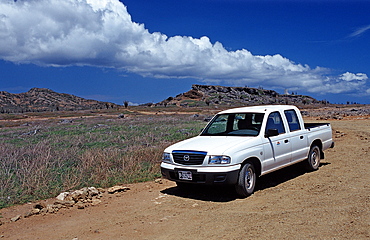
[
  {"x": 249, "y": 179},
  {"x": 314, "y": 157}
]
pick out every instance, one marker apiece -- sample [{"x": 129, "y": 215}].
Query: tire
[
  {"x": 246, "y": 181},
  {"x": 313, "y": 160}
]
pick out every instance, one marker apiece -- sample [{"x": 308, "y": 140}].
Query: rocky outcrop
[
  {"x": 88, "y": 196},
  {"x": 43, "y": 99},
  {"x": 79, "y": 199},
  {"x": 203, "y": 95}
]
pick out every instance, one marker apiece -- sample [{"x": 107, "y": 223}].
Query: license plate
[{"x": 185, "y": 175}]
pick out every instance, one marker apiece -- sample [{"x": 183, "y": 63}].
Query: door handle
[
  {"x": 301, "y": 137},
  {"x": 286, "y": 140}
]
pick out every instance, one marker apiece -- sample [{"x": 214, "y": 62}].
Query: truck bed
[{"x": 314, "y": 125}]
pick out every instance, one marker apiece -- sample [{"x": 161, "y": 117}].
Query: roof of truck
[{"x": 261, "y": 109}]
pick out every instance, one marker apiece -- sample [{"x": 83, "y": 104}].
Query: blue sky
[{"x": 145, "y": 51}]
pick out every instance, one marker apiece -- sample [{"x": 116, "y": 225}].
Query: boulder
[
  {"x": 65, "y": 203},
  {"x": 115, "y": 189},
  {"x": 16, "y": 218},
  {"x": 159, "y": 181},
  {"x": 62, "y": 196},
  {"x": 95, "y": 202}
]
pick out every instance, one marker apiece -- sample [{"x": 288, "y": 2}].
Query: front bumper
[{"x": 203, "y": 175}]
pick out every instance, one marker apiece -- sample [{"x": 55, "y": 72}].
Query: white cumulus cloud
[
  {"x": 352, "y": 77},
  {"x": 101, "y": 33}
]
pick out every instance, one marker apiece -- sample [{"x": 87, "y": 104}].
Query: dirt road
[{"x": 331, "y": 203}]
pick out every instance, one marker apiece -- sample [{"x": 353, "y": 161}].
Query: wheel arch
[
  {"x": 256, "y": 164},
  {"x": 318, "y": 143}
]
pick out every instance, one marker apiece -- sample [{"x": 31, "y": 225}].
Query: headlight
[
  {"x": 166, "y": 157},
  {"x": 219, "y": 160}
]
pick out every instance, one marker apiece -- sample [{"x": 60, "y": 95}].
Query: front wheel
[
  {"x": 313, "y": 160},
  {"x": 246, "y": 181}
]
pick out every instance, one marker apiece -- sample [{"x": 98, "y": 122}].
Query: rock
[
  {"x": 33, "y": 211},
  {"x": 100, "y": 125},
  {"x": 80, "y": 198},
  {"x": 16, "y": 218},
  {"x": 65, "y": 203},
  {"x": 80, "y": 205},
  {"x": 115, "y": 189},
  {"x": 95, "y": 202},
  {"x": 39, "y": 205},
  {"x": 69, "y": 198},
  {"x": 27, "y": 214},
  {"x": 33, "y": 132},
  {"x": 92, "y": 191},
  {"x": 58, "y": 206},
  {"x": 206, "y": 95},
  {"x": 159, "y": 181},
  {"x": 76, "y": 195},
  {"x": 42, "y": 208},
  {"x": 51, "y": 208},
  {"x": 62, "y": 196},
  {"x": 43, "y": 211}
]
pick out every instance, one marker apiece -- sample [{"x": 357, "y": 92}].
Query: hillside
[
  {"x": 203, "y": 95},
  {"x": 43, "y": 99}
]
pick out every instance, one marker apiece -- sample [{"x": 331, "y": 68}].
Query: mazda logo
[{"x": 186, "y": 157}]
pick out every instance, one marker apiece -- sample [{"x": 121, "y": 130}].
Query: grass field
[{"x": 41, "y": 158}]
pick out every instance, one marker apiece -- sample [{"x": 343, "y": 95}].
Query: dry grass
[{"x": 42, "y": 158}]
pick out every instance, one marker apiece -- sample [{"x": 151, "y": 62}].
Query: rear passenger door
[
  {"x": 277, "y": 149},
  {"x": 298, "y": 136}
]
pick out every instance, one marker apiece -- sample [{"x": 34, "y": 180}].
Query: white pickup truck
[{"x": 240, "y": 144}]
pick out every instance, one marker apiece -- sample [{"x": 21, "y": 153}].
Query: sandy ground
[{"x": 331, "y": 203}]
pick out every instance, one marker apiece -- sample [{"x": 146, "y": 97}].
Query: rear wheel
[
  {"x": 246, "y": 181},
  {"x": 313, "y": 160}
]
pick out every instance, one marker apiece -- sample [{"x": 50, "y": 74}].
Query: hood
[{"x": 214, "y": 145}]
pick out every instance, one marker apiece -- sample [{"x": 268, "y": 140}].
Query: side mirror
[{"x": 271, "y": 132}]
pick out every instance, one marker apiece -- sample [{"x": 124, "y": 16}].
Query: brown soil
[{"x": 331, "y": 203}]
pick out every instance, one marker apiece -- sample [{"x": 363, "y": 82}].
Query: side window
[
  {"x": 293, "y": 121},
  {"x": 274, "y": 121},
  {"x": 240, "y": 121},
  {"x": 219, "y": 125},
  {"x": 247, "y": 124}
]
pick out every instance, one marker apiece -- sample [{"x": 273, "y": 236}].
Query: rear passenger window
[
  {"x": 274, "y": 121},
  {"x": 293, "y": 121}
]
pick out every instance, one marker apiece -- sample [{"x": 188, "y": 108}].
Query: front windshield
[{"x": 234, "y": 124}]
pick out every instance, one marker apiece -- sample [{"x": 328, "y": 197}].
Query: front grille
[{"x": 188, "y": 157}]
